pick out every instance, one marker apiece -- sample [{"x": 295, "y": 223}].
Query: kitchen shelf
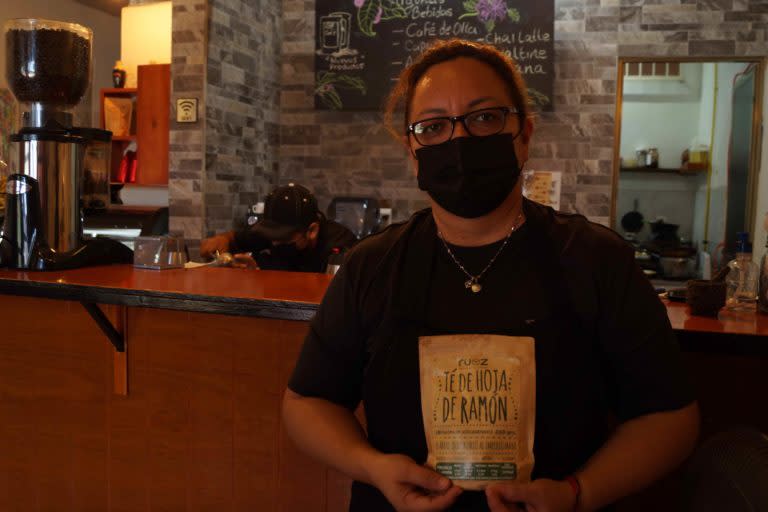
[
  {"x": 150, "y": 130},
  {"x": 651, "y": 170},
  {"x": 118, "y": 91},
  {"x": 130, "y": 184}
]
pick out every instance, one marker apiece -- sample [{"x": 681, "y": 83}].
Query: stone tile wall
[
  {"x": 342, "y": 153},
  {"x": 242, "y": 108},
  {"x": 187, "y": 157},
  {"x": 225, "y": 54},
  {"x": 245, "y": 144}
]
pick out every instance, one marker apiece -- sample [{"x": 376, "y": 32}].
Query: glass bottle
[
  {"x": 335, "y": 260},
  {"x": 118, "y": 75},
  {"x": 742, "y": 278}
]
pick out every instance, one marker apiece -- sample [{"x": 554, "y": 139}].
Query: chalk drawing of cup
[{"x": 334, "y": 31}]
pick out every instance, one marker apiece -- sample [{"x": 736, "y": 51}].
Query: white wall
[
  {"x": 706, "y": 109},
  {"x": 670, "y": 127},
  {"x": 726, "y": 71},
  {"x": 145, "y": 37},
  {"x": 719, "y": 197},
  {"x": 106, "y": 36},
  {"x": 662, "y": 113},
  {"x": 659, "y": 196},
  {"x": 762, "y": 185}
]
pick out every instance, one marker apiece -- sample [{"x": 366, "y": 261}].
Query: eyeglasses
[{"x": 478, "y": 123}]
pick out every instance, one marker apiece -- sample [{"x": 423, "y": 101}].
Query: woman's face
[{"x": 463, "y": 85}]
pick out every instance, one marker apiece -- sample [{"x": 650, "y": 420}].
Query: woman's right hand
[{"x": 410, "y": 487}]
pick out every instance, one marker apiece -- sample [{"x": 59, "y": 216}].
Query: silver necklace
[{"x": 473, "y": 283}]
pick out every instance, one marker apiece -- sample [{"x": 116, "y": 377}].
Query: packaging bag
[
  {"x": 478, "y": 399},
  {"x": 118, "y": 113}
]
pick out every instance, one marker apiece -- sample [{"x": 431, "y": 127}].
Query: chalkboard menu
[{"x": 362, "y": 45}]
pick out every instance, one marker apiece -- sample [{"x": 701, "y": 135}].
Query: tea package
[
  {"x": 478, "y": 399},
  {"x": 118, "y": 113}
]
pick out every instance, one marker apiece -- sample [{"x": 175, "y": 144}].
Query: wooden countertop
[
  {"x": 730, "y": 334},
  {"x": 727, "y": 322},
  {"x": 287, "y": 295}
]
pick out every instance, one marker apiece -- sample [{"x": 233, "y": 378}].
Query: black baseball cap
[{"x": 287, "y": 209}]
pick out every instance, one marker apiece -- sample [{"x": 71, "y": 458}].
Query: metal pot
[
  {"x": 677, "y": 268},
  {"x": 664, "y": 232}
]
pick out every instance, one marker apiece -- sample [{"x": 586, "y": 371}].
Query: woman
[{"x": 484, "y": 260}]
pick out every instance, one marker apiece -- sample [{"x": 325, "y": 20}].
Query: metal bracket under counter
[
  {"x": 116, "y": 336},
  {"x": 105, "y": 325}
]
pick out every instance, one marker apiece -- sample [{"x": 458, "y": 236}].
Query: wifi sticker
[{"x": 186, "y": 110}]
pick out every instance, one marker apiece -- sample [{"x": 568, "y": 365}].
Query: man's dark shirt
[{"x": 332, "y": 236}]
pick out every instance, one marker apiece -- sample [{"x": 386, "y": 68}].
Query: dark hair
[{"x": 445, "y": 50}]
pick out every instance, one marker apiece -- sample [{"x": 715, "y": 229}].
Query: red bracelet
[{"x": 576, "y": 486}]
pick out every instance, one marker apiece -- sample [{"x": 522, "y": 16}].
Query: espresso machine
[{"x": 48, "y": 69}]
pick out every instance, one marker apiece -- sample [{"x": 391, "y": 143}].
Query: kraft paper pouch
[
  {"x": 117, "y": 115},
  {"x": 478, "y": 399}
]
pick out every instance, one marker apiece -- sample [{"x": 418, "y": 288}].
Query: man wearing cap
[{"x": 291, "y": 235}]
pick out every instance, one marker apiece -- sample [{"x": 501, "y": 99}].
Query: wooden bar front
[
  {"x": 198, "y": 430},
  {"x": 208, "y": 355}
]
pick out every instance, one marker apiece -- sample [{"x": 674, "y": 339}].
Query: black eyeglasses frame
[{"x": 411, "y": 128}]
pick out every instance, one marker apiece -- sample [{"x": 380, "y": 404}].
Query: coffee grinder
[{"x": 48, "y": 69}]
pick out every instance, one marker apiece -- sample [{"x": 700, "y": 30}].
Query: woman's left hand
[{"x": 538, "y": 496}]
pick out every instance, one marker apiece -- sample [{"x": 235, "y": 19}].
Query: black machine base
[
  {"x": 23, "y": 246},
  {"x": 98, "y": 251}
]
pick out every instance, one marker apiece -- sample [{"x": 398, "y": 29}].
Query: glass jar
[
  {"x": 641, "y": 155},
  {"x": 652, "y": 158}
]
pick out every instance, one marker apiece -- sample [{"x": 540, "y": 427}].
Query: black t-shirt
[
  {"x": 332, "y": 236},
  {"x": 614, "y": 302}
]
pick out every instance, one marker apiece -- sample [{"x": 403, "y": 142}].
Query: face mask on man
[
  {"x": 287, "y": 252},
  {"x": 469, "y": 176}
]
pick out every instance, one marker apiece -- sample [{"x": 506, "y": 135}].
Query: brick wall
[
  {"x": 187, "y": 158},
  {"x": 338, "y": 153},
  {"x": 242, "y": 107},
  {"x": 225, "y": 54},
  {"x": 245, "y": 143}
]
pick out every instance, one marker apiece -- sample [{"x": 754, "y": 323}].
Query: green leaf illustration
[
  {"x": 323, "y": 77},
  {"x": 537, "y": 98},
  {"x": 392, "y": 10},
  {"x": 513, "y": 14},
  {"x": 467, "y": 15},
  {"x": 328, "y": 84},
  {"x": 470, "y": 5},
  {"x": 365, "y": 16},
  {"x": 351, "y": 82},
  {"x": 490, "y": 25},
  {"x": 331, "y": 99}
]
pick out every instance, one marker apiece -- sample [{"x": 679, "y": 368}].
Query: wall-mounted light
[{"x": 145, "y": 36}]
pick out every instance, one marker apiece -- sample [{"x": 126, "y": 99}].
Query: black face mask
[
  {"x": 287, "y": 253},
  {"x": 469, "y": 176}
]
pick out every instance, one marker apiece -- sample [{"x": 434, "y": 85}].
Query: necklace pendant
[{"x": 473, "y": 284}]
